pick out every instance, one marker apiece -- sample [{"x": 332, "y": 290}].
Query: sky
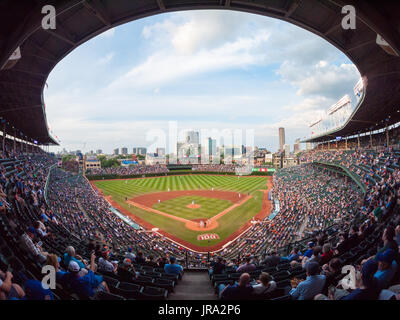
[{"x": 201, "y": 70}]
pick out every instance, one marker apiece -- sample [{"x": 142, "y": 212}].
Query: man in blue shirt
[
  {"x": 309, "y": 251},
  {"x": 366, "y": 285},
  {"x": 313, "y": 285},
  {"x": 173, "y": 268},
  {"x": 86, "y": 286},
  {"x": 387, "y": 268}
]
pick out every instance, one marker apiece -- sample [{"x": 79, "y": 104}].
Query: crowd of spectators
[
  {"x": 131, "y": 170},
  {"x": 215, "y": 167}
]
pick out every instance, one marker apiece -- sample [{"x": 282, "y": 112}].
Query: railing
[
  {"x": 47, "y": 182},
  {"x": 345, "y": 171}
]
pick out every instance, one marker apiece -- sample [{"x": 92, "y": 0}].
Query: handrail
[
  {"x": 346, "y": 171},
  {"x": 47, "y": 182}
]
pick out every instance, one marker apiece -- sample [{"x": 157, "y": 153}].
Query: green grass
[
  {"x": 178, "y": 207},
  {"x": 121, "y": 189}
]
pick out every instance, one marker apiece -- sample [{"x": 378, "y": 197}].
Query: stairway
[{"x": 195, "y": 285}]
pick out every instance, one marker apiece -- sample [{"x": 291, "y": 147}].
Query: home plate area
[{"x": 208, "y": 236}]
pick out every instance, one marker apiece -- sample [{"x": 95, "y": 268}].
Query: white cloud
[
  {"x": 108, "y": 34},
  {"x": 166, "y": 66},
  {"x": 321, "y": 79},
  {"x": 106, "y": 59}
]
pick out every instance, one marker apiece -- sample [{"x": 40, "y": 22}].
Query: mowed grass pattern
[
  {"x": 119, "y": 190},
  {"x": 209, "y": 207}
]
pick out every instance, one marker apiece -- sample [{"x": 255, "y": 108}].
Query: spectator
[
  {"x": 9, "y": 290},
  {"x": 247, "y": 266},
  {"x": 34, "y": 291},
  {"x": 126, "y": 272},
  {"x": 218, "y": 267},
  {"x": 85, "y": 286},
  {"x": 239, "y": 291},
  {"x": 265, "y": 284},
  {"x": 332, "y": 271},
  {"x": 28, "y": 245},
  {"x": 173, "y": 268},
  {"x": 70, "y": 255},
  {"x": 105, "y": 265},
  {"x": 313, "y": 285},
  {"x": 272, "y": 259},
  {"x": 366, "y": 286},
  {"x": 387, "y": 268}
]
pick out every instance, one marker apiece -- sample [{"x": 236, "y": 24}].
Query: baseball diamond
[{"x": 183, "y": 212}]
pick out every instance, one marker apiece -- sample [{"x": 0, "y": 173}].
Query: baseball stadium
[{"x": 322, "y": 223}]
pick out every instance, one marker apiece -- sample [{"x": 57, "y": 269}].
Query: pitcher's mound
[{"x": 193, "y": 206}]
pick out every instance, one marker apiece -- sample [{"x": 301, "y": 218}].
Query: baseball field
[{"x": 201, "y": 212}]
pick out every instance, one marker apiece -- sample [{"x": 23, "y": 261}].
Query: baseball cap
[
  {"x": 127, "y": 262},
  {"x": 311, "y": 244},
  {"x": 387, "y": 256},
  {"x": 172, "y": 259},
  {"x": 73, "y": 266},
  {"x": 32, "y": 230}
]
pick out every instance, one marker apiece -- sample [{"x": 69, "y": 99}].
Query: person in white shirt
[{"x": 105, "y": 264}]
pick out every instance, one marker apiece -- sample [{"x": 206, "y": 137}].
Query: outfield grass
[{"x": 121, "y": 189}]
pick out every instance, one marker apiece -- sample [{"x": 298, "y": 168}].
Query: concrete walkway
[{"x": 195, "y": 285}]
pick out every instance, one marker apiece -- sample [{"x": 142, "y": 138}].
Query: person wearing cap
[
  {"x": 173, "y": 268},
  {"x": 105, "y": 265},
  {"x": 27, "y": 244},
  {"x": 218, "y": 267},
  {"x": 313, "y": 285},
  {"x": 387, "y": 268},
  {"x": 126, "y": 271},
  {"x": 85, "y": 286},
  {"x": 309, "y": 251},
  {"x": 366, "y": 286},
  {"x": 130, "y": 255}
]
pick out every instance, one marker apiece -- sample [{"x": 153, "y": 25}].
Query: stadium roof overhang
[{"x": 21, "y": 86}]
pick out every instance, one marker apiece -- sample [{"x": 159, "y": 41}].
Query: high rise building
[
  {"x": 124, "y": 150},
  {"x": 99, "y": 151},
  {"x": 192, "y": 137},
  {"x": 160, "y": 152},
  {"x": 296, "y": 146},
  {"x": 211, "y": 147},
  {"x": 281, "y": 138},
  {"x": 139, "y": 150},
  {"x": 116, "y": 151},
  {"x": 286, "y": 148}
]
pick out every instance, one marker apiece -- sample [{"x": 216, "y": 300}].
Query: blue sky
[{"x": 203, "y": 69}]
